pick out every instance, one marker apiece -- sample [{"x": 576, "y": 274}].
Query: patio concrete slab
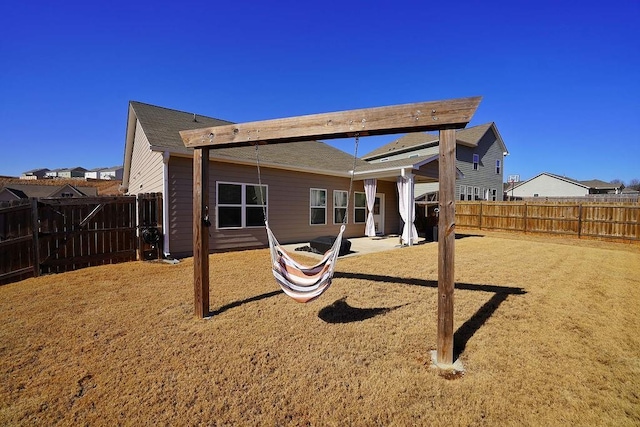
[{"x": 360, "y": 245}]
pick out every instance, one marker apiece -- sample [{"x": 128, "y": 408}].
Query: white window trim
[
  {"x": 355, "y": 208},
  {"x": 243, "y": 205},
  {"x": 318, "y": 207},
  {"x": 345, "y": 207}
]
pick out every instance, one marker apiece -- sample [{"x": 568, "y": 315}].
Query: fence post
[
  {"x": 35, "y": 231},
  {"x": 140, "y": 208},
  {"x": 524, "y": 222},
  {"x": 579, "y": 220},
  {"x": 480, "y": 218}
]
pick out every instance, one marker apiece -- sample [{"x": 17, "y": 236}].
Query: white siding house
[{"x": 550, "y": 185}]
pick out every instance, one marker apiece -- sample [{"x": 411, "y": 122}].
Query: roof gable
[
  {"x": 558, "y": 177},
  {"x": 414, "y": 141}
]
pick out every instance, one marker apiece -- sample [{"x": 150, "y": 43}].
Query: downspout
[{"x": 165, "y": 204}]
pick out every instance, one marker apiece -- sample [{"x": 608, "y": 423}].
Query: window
[
  {"x": 359, "y": 208},
  {"x": 476, "y": 161},
  {"x": 476, "y": 193},
  {"x": 318, "y": 206},
  {"x": 494, "y": 194},
  {"x": 340, "y": 206},
  {"x": 240, "y": 205},
  {"x": 469, "y": 193},
  {"x": 462, "y": 193},
  {"x": 498, "y": 164}
]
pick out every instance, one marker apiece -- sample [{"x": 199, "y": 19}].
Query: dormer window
[{"x": 476, "y": 161}]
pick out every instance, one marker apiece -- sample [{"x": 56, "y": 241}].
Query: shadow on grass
[
  {"x": 341, "y": 312},
  {"x": 464, "y": 333},
  {"x": 244, "y": 301}
]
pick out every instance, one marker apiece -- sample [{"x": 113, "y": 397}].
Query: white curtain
[
  {"x": 370, "y": 193},
  {"x": 406, "y": 205}
]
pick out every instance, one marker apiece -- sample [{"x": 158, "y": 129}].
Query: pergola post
[
  {"x": 446, "y": 246},
  {"x": 201, "y": 231}
]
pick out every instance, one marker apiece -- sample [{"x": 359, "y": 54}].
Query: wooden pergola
[{"x": 443, "y": 116}]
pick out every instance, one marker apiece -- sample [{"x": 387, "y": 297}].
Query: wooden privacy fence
[
  {"x": 40, "y": 236},
  {"x": 597, "y": 220}
]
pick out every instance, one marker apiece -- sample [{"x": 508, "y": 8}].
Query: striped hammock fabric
[{"x": 300, "y": 282}]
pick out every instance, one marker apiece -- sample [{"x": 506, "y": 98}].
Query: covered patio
[{"x": 406, "y": 173}]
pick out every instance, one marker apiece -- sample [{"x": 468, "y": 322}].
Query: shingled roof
[
  {"x": 162, "y": 126},
  {"x": 410, "y": 142}
]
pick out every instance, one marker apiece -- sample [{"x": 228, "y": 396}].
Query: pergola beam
[{"x": 417, "y": 117}]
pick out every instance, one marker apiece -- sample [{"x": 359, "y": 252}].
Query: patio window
[
  {"x": 340, "y": 206},
  {"x": 360, "y": 208},
  {"x": 318, "y": 206},
  {"x": 240, "y": 205}
]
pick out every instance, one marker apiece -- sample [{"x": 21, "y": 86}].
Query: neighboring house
[
  {"x": 24, "y": 191},
  {"x": 306, "y": 185},
  {"x": 114, "y": 172},
  {"x": 93, "y": 173},
  {"x": 77, "y": 172},
  {"x": 480, "y": 153},
  {"x": 550, "y": 185},
  {"x": 35, "y": 174},
  {"x": 53, "y": 173}
]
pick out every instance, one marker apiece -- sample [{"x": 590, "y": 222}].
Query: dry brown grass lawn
[{"x": 548, "y": 329}]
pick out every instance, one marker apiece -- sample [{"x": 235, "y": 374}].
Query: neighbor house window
[
  {"x": 498, "y": 164},
  {"x": 476, "y": 161},
  {"x": 476, "y": 193},
  {"x": 462, "y": 193},
  {"x": 360, "y": 208},
  {"x": 318, "y": 206},
  {"x": 469, "y": 193},
  {"x": 494, "y": 194},
  {"x": 240, "y": 205},
  {"x": 339, "y": 206}
]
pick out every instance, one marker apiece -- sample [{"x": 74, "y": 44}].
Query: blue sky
[{"x": 561, "y": 79}]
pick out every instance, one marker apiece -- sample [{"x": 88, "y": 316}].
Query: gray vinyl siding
[
  {"x": 288, "y": 206},
  {"x": 146, "y": 166},
  {"x": 485, "y": 177}
]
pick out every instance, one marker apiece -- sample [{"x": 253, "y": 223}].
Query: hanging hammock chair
[{"x": 300, "y": 282}]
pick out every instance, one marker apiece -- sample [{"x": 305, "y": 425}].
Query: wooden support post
[
  {"x": 446, "y": 246},
  {"x": 201, "y": 231}
]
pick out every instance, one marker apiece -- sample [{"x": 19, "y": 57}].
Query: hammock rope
[{"x": 300, "y": 282}]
